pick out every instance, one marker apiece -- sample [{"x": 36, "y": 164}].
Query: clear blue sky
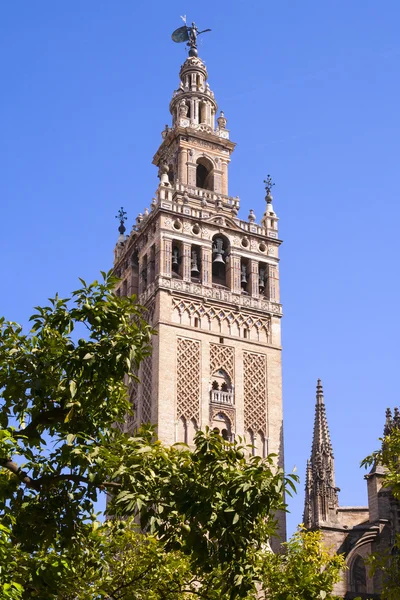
[{"x": 311, "y": 93}]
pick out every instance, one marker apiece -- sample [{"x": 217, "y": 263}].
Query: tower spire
[{"x": 321, "y": 499}]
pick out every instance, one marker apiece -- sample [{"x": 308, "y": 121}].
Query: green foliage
[
  {"x": 387, "y": 563},
  {"x": 208, "y": 511},
  {"x": 307, "y": 571},
  {"x": 389, "y": 457}
]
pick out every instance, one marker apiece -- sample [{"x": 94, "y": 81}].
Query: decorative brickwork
[
  {"x": 228, "y": 317},
  {"x": 255, "y": 392},
  {"x": 146, "y": 384},
  {"x": 188, "y": 380},
  {"x": 222, "y": 357},
  {"x": 132, "y": 420}
]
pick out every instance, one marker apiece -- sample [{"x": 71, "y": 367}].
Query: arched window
[
  {"x": 220, "y": 256},
  {"x": 250, "y": 438},
  {"x": 176, "y": 259},
  {"x": 195, "y": 263},
  {"x": 182, "y": 430},
  {"x": 222, "y": 424},
  {"x": 205, "y": 174},
  {"x": 221, "y": 388},
  {"x": 262, "y": 279},
  {"x": 244, "y": 275},
  {"x": 359, "y": 576}
]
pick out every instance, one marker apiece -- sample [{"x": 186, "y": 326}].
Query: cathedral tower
[{"x": 210, "y": 283}]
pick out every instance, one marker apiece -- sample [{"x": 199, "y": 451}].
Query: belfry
[{"x": 210, "y": 283}]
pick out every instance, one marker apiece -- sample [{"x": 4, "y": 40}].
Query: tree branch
[
  {"x": 37, "y": 484},
  {"x": 48, "y": 417}
]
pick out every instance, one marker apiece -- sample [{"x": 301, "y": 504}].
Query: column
[
  {"x": 206, "y": 265},
  {"x": 273, "y": 283},
  {"x": 224, "y": 178},
  {"x": 234, "y": 279},
  {"x": 182, "y": 172},
  {"x": 187, "y": 260},
  {"x": 254, "y": 278},
  {"x": 166, "y": 257}
]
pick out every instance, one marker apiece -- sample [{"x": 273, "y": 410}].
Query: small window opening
[
  {"x": 196, "y": 322},
  {"x": 220, "y": 257},
  {"x": 245, "y": 333},
  {"x": 195, "y": 266},
  {"x": 262, "y": 279},
  {"x": 244, "y": 277},
  {"x": 205, "y": 174},
  {"x": 221, "y": 340}
]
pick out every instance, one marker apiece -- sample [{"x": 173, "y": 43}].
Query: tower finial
[
  {"x": 121, "y": 215},
  {"x": 189, "y": 35},
  {"x": 269, "y": 184}
]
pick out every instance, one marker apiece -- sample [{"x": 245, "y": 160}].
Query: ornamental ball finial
[
  {"x": 269, "y": 184},
  {"x": 122, "y": 217}
]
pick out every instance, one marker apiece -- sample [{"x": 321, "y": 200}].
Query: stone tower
[{"x": 210, "y": 283}]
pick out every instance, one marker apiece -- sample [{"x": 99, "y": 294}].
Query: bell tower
[{"x": 210, "y": 283}]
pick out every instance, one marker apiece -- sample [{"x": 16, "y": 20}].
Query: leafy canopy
[{"x": 60, "y": 398}]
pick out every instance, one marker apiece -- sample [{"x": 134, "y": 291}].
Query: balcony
[{"x": 220, "y": 397}]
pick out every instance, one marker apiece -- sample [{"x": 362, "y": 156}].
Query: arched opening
[
  {"x": 205, "y": 174},
  {"x": 250, "y": 438},
  {"x": 195, "y": 265},
  {"x": 220, "y": 257},
  {"x": 244, "y": 275},
  {"x": 222, "y": 424},
  {"x": 134, "y": 272},
  {"x": 262, "y": 279},
  {"x": 359, "y": 576},
  {"x": 171, "y": 174},
  {"x": 176, "y": 260},
  {"x": 151, "y": 264},
  {"x": 261, "y": 450},
  {"x": 221, "y": 388},
  {"x": 203, "y": 112},
  {"x": 192, "y": 428},
  {"x": 182, "y": 431},
  {"x": 143, "y": 274}
]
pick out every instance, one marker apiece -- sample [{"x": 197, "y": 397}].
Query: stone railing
[{"x": 220, "y": 397}]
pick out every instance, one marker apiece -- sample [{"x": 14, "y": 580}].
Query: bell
[
  {"x": 175, "y": 258},
  {"x": 218, "y": 259},
  {"x": 261, "y": 281},
  {"x": 194, "y": 269},
  {"x": 243, "y": 280}
]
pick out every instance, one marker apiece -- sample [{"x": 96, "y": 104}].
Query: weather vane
[
  {"x": 268, "y": 184},
  {"x": 189, "y": 35},
  {"x": 121, "y": 216}
]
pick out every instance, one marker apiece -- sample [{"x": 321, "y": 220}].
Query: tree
[
  {"x": 387, "y": 563},
  {"x": 59, "y": 399},
  {"x": 306, "y": 571}
]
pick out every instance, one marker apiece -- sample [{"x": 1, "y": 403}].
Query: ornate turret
[{"x": 321, "y": 500}]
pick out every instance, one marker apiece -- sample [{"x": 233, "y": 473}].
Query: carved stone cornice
[{"x": 222, "y": 296}]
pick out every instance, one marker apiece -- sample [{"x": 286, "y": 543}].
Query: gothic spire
[
  {"x": 321, "y": 498},
  {"x": 321, "y": 437}
]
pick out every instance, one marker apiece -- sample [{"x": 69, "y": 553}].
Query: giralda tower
[{"x": 210, "y": 282}]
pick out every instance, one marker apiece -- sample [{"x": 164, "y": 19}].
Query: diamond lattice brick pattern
[
  {"x": 255, "y": 392},
  {"x": 222, "y": 357},
  {"x": 146, "y": 378},
  {"x": 188, "y": 379}
]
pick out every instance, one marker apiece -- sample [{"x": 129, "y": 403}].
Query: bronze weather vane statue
[{"x": 189, "y": 35}]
